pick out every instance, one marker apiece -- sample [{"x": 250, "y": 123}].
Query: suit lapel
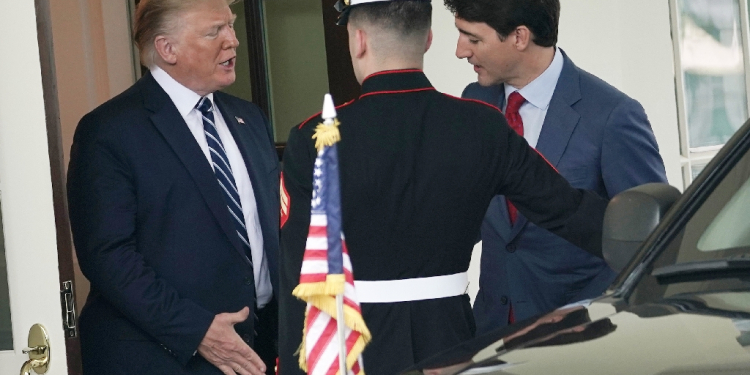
[
  {"x": 561, "y": 118},
  {"x": 247, "y": 142},
  {"x": 248, "y": 136},
  {"x": 559, "y": 123},
  {"x": 173, "y": 128}
]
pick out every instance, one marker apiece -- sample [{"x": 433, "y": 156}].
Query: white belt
[{"x": 417, "y": 289}]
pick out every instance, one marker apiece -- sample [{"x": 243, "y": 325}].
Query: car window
[
  {"x": 718, "y": 230},
  {"x": 731, "y": 227}
]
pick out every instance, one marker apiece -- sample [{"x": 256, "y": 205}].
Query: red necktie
[{"x": 515, "y": 101}]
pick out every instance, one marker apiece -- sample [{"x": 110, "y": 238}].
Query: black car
[{"x": 681, "y": 304}]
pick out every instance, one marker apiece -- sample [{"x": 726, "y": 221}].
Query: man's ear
[
  {"x": 166, "y": 49},
  {"x": 523, "y": 37},
  {"x": 429, "y": 41},
  {"x": 360, "y": 43}
]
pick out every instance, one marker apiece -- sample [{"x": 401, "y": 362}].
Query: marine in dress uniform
[{"x": 418, "y": 169}]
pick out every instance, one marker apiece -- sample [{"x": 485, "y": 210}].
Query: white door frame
[{"x": 26, "y": 190}]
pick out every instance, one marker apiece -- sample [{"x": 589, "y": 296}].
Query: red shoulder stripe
[
  {"x": 316, "y": 115},
  {"x": 396, "y": 92},
  {"x": 545, "y": 159},
  {"x": 475, "y": 101}
]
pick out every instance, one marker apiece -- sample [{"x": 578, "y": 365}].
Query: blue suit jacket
[
  {"x": 599, "y": 139},
  {"x": 153, "y": 233}
]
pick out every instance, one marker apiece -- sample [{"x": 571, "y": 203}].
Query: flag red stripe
[
  {"x": 316, "y": 255},
  {"x": 313, "y": 314},
  {"x": 321, "y": 344},
  {"x": 312, "y": 278},
  {"x": 334, "y": 367},
  {"x": 317, "y": 231}
]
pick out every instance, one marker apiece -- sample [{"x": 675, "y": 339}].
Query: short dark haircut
[
  {"x": 541, "y": 17},
  {"x": 407, "y": 18}
]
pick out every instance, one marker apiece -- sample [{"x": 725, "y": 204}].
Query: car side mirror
[{"x": 630, "y": 218}]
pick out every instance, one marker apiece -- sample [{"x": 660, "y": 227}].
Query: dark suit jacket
[
  {"x": 153, "y": 234},
  {"x": 599, "y": 139}
]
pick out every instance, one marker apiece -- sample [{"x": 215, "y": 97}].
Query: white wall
[{"x": 625, "y": 42}]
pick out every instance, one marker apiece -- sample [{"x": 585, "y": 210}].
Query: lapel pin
[{"x": 239, "y": 120}]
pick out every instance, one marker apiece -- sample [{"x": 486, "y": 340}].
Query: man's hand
[{"x": 224, "y": 348}]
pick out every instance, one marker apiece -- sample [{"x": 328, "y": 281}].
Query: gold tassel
[{"x": 326, "y": 135}]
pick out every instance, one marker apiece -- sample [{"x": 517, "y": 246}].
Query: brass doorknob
[{"x": 38, "y": 351}]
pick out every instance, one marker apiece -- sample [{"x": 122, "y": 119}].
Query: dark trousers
[{"x": 266, "y": 341}]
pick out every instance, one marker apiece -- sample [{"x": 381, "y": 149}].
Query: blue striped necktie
[{"x": 224, "y": 176}]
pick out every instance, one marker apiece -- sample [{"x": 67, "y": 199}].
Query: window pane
[
  {"x": 730, "y": 229},
  {"x": 713, "y": 70},
  {"x": 719, "y": 229},
  {"x": 696, "y": 169},
  {"x": 297, "y": 64}
]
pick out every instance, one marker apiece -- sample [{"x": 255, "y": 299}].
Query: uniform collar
[{"x": 395, "y": 81}]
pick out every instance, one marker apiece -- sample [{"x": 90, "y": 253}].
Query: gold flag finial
[{"x": 327, "y": 132}]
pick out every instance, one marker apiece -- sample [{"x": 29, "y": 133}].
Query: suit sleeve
[
  {"x": 630, "y": 154},
  {"x": 299, "y": 157},
  {"x": 102, "y": 202},
  {"x": 545, "y": 197}
]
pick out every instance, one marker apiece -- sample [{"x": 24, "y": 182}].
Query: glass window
[
  {"x": 731, "y": 227},
  {"x": 719, "y": 230},
  {"x": 297, "y": 64},
  {"x": 723, "y": 212},
  {"x": 696, "y": 169},
  {"x": 713, "y": 70},
  {"x": 710, "y": 41}
]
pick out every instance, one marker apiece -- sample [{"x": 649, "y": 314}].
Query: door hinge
[{"x": 67, "y": 299}]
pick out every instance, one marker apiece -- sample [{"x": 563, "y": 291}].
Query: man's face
[
  {"x": 495, "y": 61},
  {"x": 205, "y": 47}
]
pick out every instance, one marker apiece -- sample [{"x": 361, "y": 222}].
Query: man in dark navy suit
[
  {"x": 596, "y": 137},
  {"x": 173, "y": 194}
]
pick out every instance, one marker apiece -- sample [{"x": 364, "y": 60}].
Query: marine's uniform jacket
[{"x": 418, "y": 169}]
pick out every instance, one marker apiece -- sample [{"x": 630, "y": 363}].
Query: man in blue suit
[
  {"x": 173, "y": 192},
  {"x": 594, "y": 135}
]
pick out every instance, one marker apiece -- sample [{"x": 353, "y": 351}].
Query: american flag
[{"x": 326, "y": 272}]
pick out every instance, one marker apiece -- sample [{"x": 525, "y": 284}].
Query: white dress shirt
[
  {"x": 538, "y": 94},
  {"x": 185, "y": 100}
]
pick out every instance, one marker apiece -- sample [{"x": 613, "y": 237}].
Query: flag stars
[{"x": 316, "y": 202}]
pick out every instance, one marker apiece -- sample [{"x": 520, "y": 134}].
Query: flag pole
[
  {"x": 326, "y": 135},
  {"x": 329, "y": 118},
  {"x": 342, "y": 334}
]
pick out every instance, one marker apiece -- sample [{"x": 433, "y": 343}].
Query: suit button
[
  {"x": 504, "y": 300},
  {"x": 246, "y": 338},
  {"x": 511, "y": 247},
  {"x": 249, "y": 281}
]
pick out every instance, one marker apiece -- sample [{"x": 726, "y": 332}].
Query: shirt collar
[
  {"x": 389, "y": 81},
  {"x": 539, "y": 91},
  {"x": 183, "y": 98}
]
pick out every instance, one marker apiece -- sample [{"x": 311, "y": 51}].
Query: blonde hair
[{"x": 158, "y": 17}]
